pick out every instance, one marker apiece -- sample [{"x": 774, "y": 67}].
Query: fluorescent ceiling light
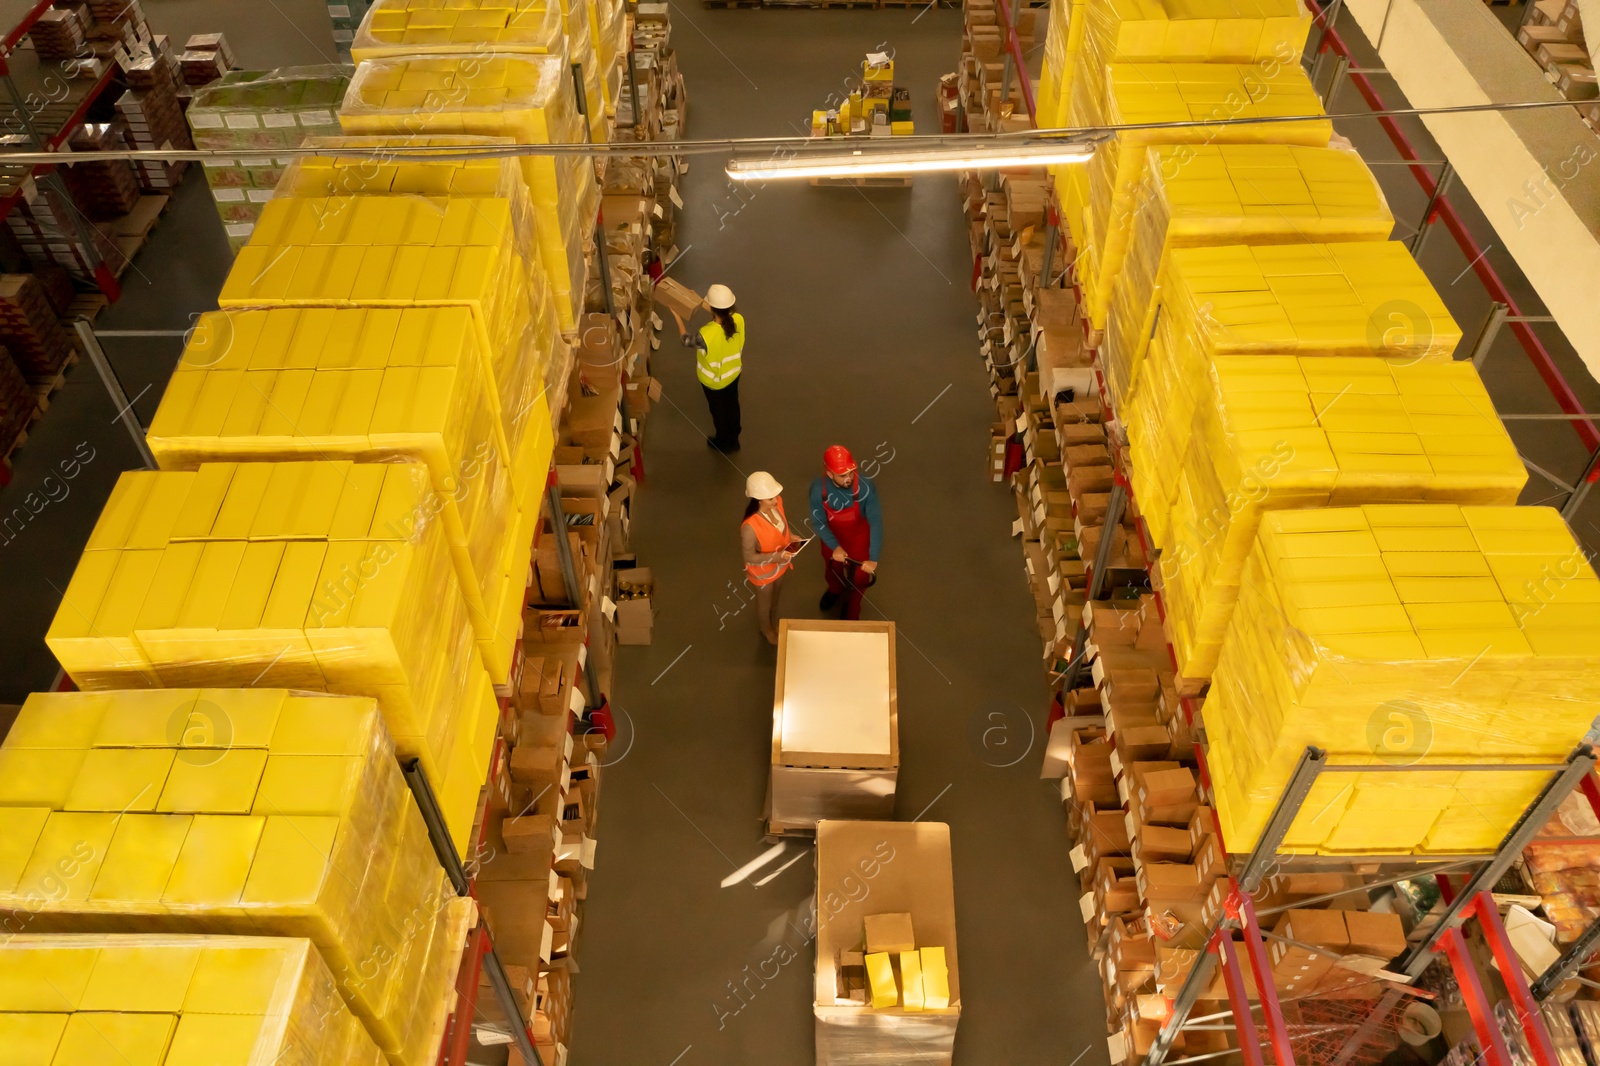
[{"x": 864, "y": 161}]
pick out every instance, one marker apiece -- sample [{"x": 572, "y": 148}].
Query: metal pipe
[
  {"x": 445, "y": 850},
  {"x": 1446, "y": 174},
  {"x": 1487, "y": 334},
  {"x": 1590, "y": 474},
  {"x": 119, "y": 398},
  {"x": 1312, "y": 762}
]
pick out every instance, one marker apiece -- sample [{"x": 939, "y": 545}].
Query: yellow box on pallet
[
  {"x": 1402, "y": 636},
  {"x": 1137, "y": 93},
  {"x": 234, "y": 811},
  {"x": 369, "y": 385},
  {"x": 1194, "y": 196},
  {"x": 404, "y": 28},
  {"x": 525, "y": 97},
  {"x": 159, "y": 1000},
  {"x": 324, "y": 576},
  {"x": 1256, "y": 434},
  {"x": 1336, "y": 299}
]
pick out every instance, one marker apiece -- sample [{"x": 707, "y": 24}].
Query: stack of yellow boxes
[
  {"x": 1229, "y": 194},
  {"x": 372, "y": 385},
  {"x": 1260, "y": 433},
  {"x": 1335, "y": 299},
  {"x": 403, "y": 251},
  {"x": 1055, "y": 74},
  {"x": 526, "y": 97},
  {"x": 544, "y": 353},
  {"x": 1174, "y": 92},
  {"x": 173, "y": 1001},
  {"x": 590, "y": 33},
  {"x": 232, "y": 811},
  {"x": 1396, "y": 636},
  {"x": 324, "y": 576}
]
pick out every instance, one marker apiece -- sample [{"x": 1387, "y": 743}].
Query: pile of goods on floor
[
  {"x": 877, "y": 108},
  {"x": 383, "y": 569},
  {"x": 1203, "y": 345}
]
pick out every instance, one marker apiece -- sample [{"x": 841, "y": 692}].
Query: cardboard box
[
  {"x": 675, "y": 296},
  {"x": 1375, "y": 933},
  {"x": 889, "y": 932}
]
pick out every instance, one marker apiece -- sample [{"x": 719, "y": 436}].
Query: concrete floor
[{"x": 862, "y": 333}]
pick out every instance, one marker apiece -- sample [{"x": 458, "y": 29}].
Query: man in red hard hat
[{"x": 846, "y": 514}]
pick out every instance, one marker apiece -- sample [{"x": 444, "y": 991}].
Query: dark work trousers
[{"x": 724, "y": 404}]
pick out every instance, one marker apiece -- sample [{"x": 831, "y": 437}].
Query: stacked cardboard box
[
  {"x": 981, "y": 75},
  {"x": 233, "y": 811},
  {"x": 174, "y": 1001},
  {"x": 61, "y": 33},
  {"x": 206, "y": 57},
  {"x": 154, "y": 118},
  {"x": 34, "y": 338},
  {"x": 251, "y": 115},
  {"x": 45, "y": 224},
  {"x": 103, "y": 189}
]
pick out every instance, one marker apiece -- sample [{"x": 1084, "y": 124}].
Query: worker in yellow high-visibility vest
[{"x": 719, "y": 349}]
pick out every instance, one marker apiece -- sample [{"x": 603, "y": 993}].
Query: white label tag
[
  {"x": 316, "y": 118},
  {"x": 655, "y": 320},
  {"x": 655, "y": 209},
  {"x": 245, "y": 121},
  {"x": 1080, "y": 858},
  {"x": 608, "y": 608},
  {"x": 575, "y": 701},
  {"x": 1086, "y": 907},
  {"x": 1022, "y": 423},
  {"x": 277, "y": 120},
  {"x": 1016, "y": 528},
  {"x": 672, "y": 194}
]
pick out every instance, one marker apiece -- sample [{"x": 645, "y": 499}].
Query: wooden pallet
[
  {"x": 19, "y": 441},
  {"x": 46, "y": 389},
  {"x": 87, "y": 306},
  {"x": 731, "y": 3},
  {"x": 133, "y": 229}
]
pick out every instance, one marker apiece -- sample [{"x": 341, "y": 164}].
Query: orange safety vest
[{"x": 769, "y": 538}]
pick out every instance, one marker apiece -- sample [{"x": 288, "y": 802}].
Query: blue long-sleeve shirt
[{"x": 839, "y": 499}]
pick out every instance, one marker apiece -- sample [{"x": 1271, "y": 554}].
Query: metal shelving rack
[
  {"x": 109, "y": 287},
  {"x": 1471, "y": 901}
]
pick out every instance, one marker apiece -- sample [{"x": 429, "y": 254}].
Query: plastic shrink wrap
[
  {"x": 1100, "y": 215},
  {"x": 232, "y": 811},
  {"x": 255, "y": 113},
  {"x": 1254, "y": 434},
  {"x": 525, "y": 97},
  {"x": 322, "y": 576},
  {"x": 1398, "y": 636},
  {"x": 414, "y": 251},
  {"x": 1207, "y": 195},
  {"x": 173, "y": 1001}
]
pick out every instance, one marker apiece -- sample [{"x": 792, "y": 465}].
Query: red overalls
[{"x": 855, "y": 537}]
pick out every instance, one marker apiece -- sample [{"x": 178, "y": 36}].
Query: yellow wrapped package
[
  {"x": 1055, "y": 72},
  {"x": 610, "y": 26},
  {"x": 231, "y": 811},
  {"x": 481, "y": 28},
  {"x": 405, "y": 166},
  {"x": 324, "y": 576},
  {"x": 1230, "y": 194},
  {"x": 1396, "y": 636},
  {"x": 1138, "y": 93},
  {"x": 1255, "y": 434},
  {"x": 1334, "y": 299},
  {"x": 415, "y": 252},
  {"x": 162, "y": 1000},
  {"x": 1266, "y": 34},
  {"x": 526, "y": 97},
  {"x": 370, "y": 385}
]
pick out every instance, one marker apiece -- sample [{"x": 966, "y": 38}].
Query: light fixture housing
[{"x": 868, "y": 161}]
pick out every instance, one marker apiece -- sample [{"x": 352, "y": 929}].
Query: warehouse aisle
[{"x": 862, "y": 333}]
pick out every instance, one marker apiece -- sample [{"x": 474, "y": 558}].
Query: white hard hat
[
  {"x": 720, "y": 297},
  {"x": 762, "y": 486}
]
